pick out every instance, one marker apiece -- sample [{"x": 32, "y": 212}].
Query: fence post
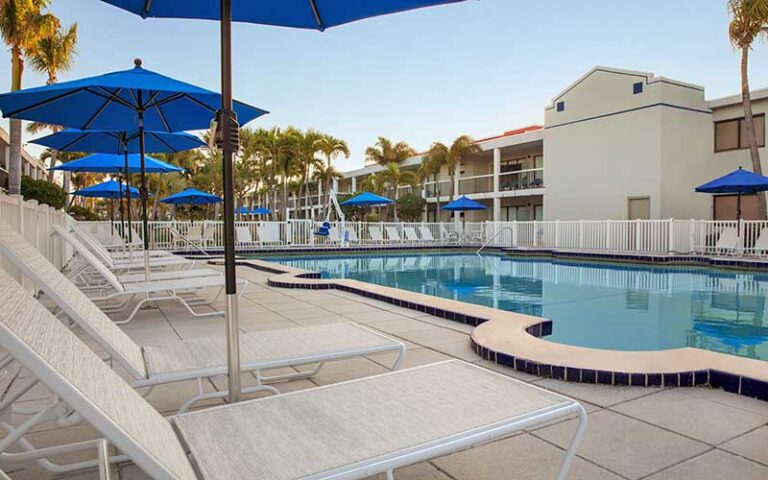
[
  {"x": 557, "y": 233},
  {"x": 608, "y": 234},
  {"x": 514, "y": 234},
  {"x": 637, "y": 234},
  {"x": 581, "y": 234},
  {"x": 671, "y": 234},
  {"x": 20, "y": 213},
  {"x": 692, "y": 235}
]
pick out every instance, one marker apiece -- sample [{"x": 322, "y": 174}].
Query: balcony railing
[
  {"x": 521, "y": 179},
  {"x": 476, "y": 184}
]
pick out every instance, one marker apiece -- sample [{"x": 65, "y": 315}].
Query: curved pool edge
[{"x": 513, "y": 340}]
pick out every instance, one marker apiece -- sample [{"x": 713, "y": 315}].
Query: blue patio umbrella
[
  {"x": 191, "y": 196},
  {"x": 462, "y": 204},
  {"x": 739, "y": 182},
  {"x": 261, "y": 211},
  {"x": 109, "y": 189},
  {"x": 367, "y": 199},
  {"x": 122, "y": 165},
  {"x": 113, "y": 163},
  {"x": 118, "y": 141},
  {"x": 312, "y": 14},
  {"x": 127, "y": 100},
  {"x": 121, "y": 142}
]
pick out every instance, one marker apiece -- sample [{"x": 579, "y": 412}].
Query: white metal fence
[
  {"x": 631, "y": 236},
  {"x": 35, "y": 222}
]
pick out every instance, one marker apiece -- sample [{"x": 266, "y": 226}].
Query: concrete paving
[{"x": 633, "y": 433}]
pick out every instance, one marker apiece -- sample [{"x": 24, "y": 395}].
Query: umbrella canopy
[
  {"x": 313, "y": 14},
  {"x": 113, "y": 141},
  {"x": 261, "y": 211},
  {"x": 113, "y": 163},
  {"x": 462, "y": 204},
  {"x": 243, "y": 211},
  {"x": 191, "y": 196},
  {"x": 316, "y": 14},
  {"x": 367, "y": 199},
  {"x": 109, "y": 189},
  {"x": 738, "y": 181},
  {"x": 111, "y": 102}
]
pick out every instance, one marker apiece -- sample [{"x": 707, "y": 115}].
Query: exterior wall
[
  {"x": 29, "y": 165},
  {"x": 610, "y": 144}
]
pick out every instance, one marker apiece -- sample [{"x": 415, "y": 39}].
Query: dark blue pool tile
[
  {"x": 545, "y": 370},
  {"x": 686, "y": 379},
  {"x": 558, "y": 372},
  {"x": 546, "y": 328},
  {"x": 604, "y": 377},
  {"x": 724, "y": 380},
  {"x": 588, "y": 376},
  {"x": 504, "y": 359},
  {"x": 573, "y": 374},
  {"x": 671, "y": 380},
  {"x": 655, "y": 379},
  {"x": 637, "y": 379},
  {"x": 754, "y": 388},
  {"x": 620, "y": 378},
  {"x": 701, "y": 377}
]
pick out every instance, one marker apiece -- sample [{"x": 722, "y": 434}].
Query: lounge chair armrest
[{"x": 103, "y": 454}]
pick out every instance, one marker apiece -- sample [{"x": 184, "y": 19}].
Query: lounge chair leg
[
  {"x": 390, "y": 475},
  {"x": 575, "y": 441}
]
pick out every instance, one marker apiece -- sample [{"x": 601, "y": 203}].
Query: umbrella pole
[
  {"x": 227, "y": 123},
  {"x": 143, "y": 192},
  {"x": 738, "y": 207},
  {"x": 128, "y": 202},
  {"x": 120, "y": 205}
]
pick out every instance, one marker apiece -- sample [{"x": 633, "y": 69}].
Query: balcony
[{"x": 521, "y": 180}]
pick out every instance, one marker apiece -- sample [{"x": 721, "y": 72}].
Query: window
[
  {"x": 560, "y": 106},
  {"x": 637, "y": 88},
  {"x": 732, "y": 134}
]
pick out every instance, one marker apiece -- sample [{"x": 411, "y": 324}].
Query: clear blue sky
[{"x": 478, "y": 67}]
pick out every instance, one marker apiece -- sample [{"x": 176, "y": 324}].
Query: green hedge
[{"x": 44, "y": 192}]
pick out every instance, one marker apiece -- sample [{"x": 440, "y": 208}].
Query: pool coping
[{"x": 514, "y": 340}]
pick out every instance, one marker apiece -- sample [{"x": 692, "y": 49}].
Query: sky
[{"x": 479, "y": 67}]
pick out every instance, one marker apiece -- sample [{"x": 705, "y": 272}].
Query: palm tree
[
  {"x": 54, "y": 52},
  {"x": 22, "y": 24},
  {"x": 750, "y": 21},
  {"x": 393, "y": 177},
  {"x": 306, "y": 163},
  {"x": 324, "y": 175},
  {"x": 432, "y": 164},
  {"x": 385, "y": 152},
  {"x": 331, "y": 147}
]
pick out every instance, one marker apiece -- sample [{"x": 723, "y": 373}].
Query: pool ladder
[{"x": 493, "y": 237}]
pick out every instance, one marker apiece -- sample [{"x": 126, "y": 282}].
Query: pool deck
[{"x": 654, "y": 433}]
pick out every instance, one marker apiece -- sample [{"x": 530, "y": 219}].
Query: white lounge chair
[
  {"x": 117, "y": 255},
  {"x": 333, "y": 235},
  {"x": 352, "y": 235},
  {"x": 202, "y": 357},
  {"x": 375, "y": 233},
  {"x": 349, "y": 430},
  {"x": 269, "y": 233},
  {"x": 176, "y": 289},
  {"x": 243, "y": 237},
  {"x": 447, "y": 236},
  {"x": 411, "y": 235},
  {"x": 760, "y": 248},
  {"x": 728, "y": 242},
  {"x": 392, "y": 234},
  {"x": 123, "y": 261},
  {"x": 426, "y": 234}
]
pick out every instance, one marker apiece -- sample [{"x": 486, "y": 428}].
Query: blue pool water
[{"x": 613, "y": 306}]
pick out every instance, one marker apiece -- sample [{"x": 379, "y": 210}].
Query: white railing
[
  {"x": 644, "y": 236},
  {"x": 35, "y": 222},
  {"x": 630, "y": 236}
]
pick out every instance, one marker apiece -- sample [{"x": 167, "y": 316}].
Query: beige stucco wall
[{"x": 610, "y": 145}]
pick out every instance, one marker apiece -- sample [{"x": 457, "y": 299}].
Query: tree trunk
[
  {"x": 155, "y": 200},
  {"x": 14, "y": 168},
  {"x": 749, "y": 122},
  {"x": 67, "y": 183},
  {"x": 54, "y": 159}
]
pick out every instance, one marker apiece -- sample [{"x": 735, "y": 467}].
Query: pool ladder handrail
[{"x": 493, "y": 237}]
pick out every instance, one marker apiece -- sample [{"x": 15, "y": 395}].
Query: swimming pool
[{"x": 599, "y": 305}]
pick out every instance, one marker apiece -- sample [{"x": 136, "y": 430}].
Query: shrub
[
  {"x": 373, "y": 218},
  {"x": 44, "y": 192},
  {"x": 410, "y": 207},
  {"x": 83, "y": 214},
  {"x": 351, "y": 214}
]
